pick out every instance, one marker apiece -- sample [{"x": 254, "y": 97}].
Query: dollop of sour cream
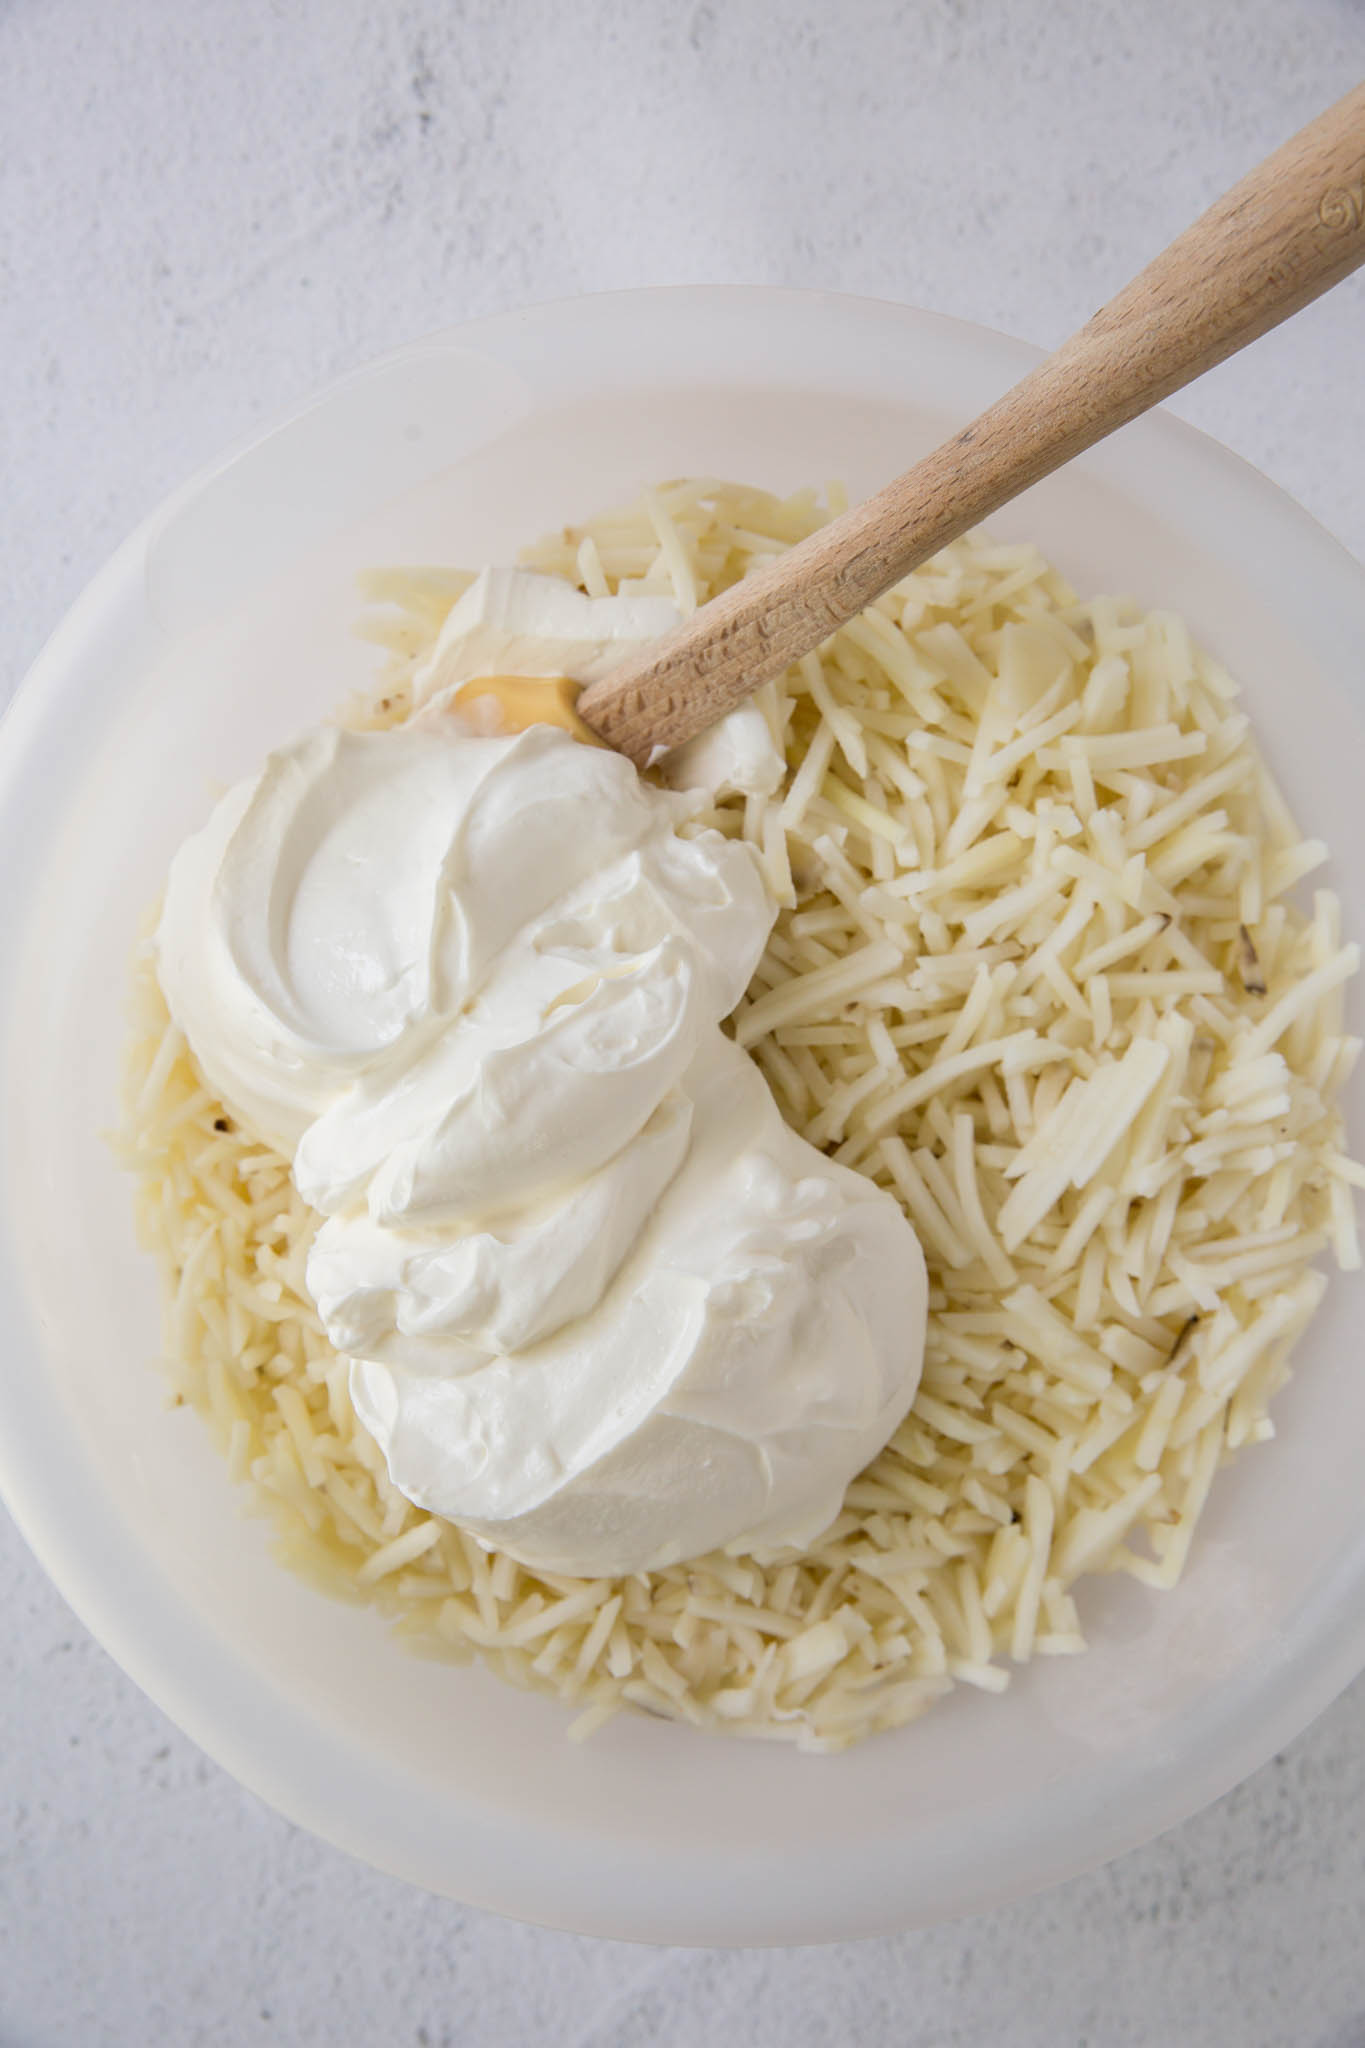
[{"x": 602, "y": 1306}]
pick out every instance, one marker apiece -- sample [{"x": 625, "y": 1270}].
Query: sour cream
[{"x": 602, "y": 1306}]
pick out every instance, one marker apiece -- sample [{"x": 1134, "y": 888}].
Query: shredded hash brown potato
[{"x": 1037, "y": 971}]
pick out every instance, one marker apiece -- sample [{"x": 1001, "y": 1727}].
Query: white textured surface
[{"x": 205, "y": 209}]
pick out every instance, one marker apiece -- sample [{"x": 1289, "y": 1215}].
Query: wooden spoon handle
[{"x": 1289, "y": 230}]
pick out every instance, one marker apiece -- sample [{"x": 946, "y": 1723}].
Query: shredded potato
[{"x": 1037, "y": 971}]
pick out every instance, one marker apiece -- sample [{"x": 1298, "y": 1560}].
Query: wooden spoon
[{"x": 1289, "y": 230}]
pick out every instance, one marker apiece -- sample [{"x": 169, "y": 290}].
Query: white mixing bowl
[{"x": 220, "y": 627}]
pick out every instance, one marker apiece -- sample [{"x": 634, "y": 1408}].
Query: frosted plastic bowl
[{"x": 221, "y": 626}]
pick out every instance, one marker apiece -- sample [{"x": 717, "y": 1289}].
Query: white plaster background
[{"x": 205, "y": 209}]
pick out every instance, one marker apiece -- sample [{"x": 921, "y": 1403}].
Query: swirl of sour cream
[{"x": 602, "y": 1306}]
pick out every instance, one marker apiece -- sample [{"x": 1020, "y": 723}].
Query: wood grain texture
[{"x": 1291, "y": 229}]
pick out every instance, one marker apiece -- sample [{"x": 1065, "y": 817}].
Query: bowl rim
[{"x": 1315, "y": 1657}]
